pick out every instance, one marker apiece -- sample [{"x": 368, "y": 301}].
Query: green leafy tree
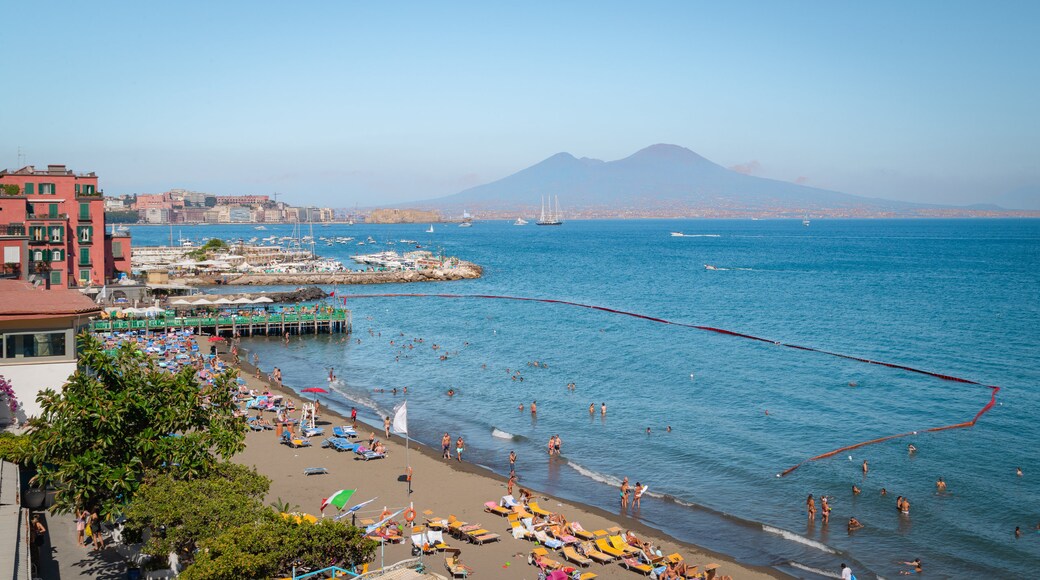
[
  {"x": 206, "y": 250},
  {"x": 273, "y": 545},
  {"x": 10, "y": 189},
  {"x": 189, "y": 511},
  {"x": 120, "y": 416},
  {"x": 13, "y": 448}
]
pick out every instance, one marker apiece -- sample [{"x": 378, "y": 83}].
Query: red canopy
[
  {"x": 216, "y": 339},
  {"x": 314, "y": 390}
]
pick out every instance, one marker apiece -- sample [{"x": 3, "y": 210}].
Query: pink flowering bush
[{"x": 7, "y": 392}]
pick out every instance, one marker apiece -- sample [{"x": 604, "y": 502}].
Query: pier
[{"x": 330, "y": 321}]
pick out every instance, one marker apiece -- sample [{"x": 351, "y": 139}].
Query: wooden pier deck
[{"x": 329, "y": 322}]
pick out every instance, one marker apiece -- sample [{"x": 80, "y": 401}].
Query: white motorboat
[
  {"x": 710, "y": 267},
  {"x": 677, "y": 234},
  {"x": 520, "y": 222},
  {"x": 429, "y": 230}
]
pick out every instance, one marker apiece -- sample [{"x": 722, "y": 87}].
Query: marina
[{"x": 323, "y": 321}]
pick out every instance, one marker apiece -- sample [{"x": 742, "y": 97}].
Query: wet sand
[{"x": 440, "y": 488}]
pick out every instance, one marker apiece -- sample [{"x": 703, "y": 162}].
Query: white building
[{"x": 38, "y": 331}]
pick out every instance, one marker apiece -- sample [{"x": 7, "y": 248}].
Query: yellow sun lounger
[
  {"x": 540, "y": 557},
  {"x": 535, "y": 509},
  {"x": 596, "y": 555},
  {"x": 637, "y": 565},
  {"x": 571, "y": 554},
  {"x": 493, "y": 508},
  {"x": 606, "y": 548},
  {"x": 620, "y": 544}
]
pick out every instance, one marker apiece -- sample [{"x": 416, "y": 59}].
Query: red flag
[{"x": 333, "y": 293}]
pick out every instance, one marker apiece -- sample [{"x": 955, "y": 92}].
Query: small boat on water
[
  {"x": 710, "y": 267},
  {"x": 805, "y": 222},
  {"x": 520, "y": 222},
  {"x": 467, "y": 220},
  {"x": 259, "y": 228},
  {"x": 466, "y": 225},
  {"x": 553, "y": 216},
  {"x": 677, "y": 234},
  {"x": 429, "y": 230}
]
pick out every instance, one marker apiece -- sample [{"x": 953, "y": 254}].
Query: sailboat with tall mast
[{"x": 552, "y": 217}]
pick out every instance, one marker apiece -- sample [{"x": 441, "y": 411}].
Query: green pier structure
[{"x": 327, "y": 321}]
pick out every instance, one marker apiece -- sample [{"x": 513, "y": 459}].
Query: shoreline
[{"x": 467, "y": 478}]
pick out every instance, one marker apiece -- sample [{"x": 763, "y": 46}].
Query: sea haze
[{"x": 958, "y": 297}]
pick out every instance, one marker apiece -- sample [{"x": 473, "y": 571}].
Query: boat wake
[
  {"x": 799, "y": 539},
  {"x": 500, "y": 434}
]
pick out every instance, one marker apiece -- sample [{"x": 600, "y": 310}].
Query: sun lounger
[
  {"x": 591, "y": 551},
  {"x": 315, "y": 471},
  {"x": 371, "y": 455},
  {"x": 620, "y": 544},
  {"x": 342, "y": 444},
  {"x": 436, "y": 539},
  {"x": 637, "y": 565},
  {"x": 560, "y": 533},
  {"x": 294, "y": 442},
  {"x": 344, "y": 432},
  {"x": 481, "y": 536},
  {"x": 581, "y": 532},
  {"x": 493, "y": 508},
  {"x": 421, "y": 545},
  {"x": 436, "y": 523},
  {"x": 571, "y": 554},
  {"x": 330, "y": 441},
  {"x": 587, "y": 576},
  {"x": 540, "y": 557},
  {"x": 546, "y": 540},
  {"x": 536, "y": 510},
  {"x": 516, "y": 527},
  {"x": 457, "y": 569},
  {"x": 508, "y": 501},
  {"x": 521, "y": 511},
  {"x": 607, "y": 549},
  {"x": 455, "y": 526},
  {"x": 313, "y": 431}
]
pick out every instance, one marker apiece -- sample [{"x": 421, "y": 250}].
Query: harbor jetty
[{"x": 460, "y": 271}]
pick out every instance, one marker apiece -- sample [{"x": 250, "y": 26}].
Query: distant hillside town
[{"x": 180, "y": 206}]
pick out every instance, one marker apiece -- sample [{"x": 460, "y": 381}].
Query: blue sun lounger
[{"x": 344, "y": 432}]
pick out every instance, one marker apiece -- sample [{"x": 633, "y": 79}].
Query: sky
[{"x": 342, "y": 103}]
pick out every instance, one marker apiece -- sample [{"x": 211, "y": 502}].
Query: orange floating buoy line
[{"x": 989, "y": 405}]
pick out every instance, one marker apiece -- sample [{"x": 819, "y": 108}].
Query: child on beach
[{"x": 459, "y": 447}]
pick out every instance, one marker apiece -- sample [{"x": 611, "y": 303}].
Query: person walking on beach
[
  {"x": 459, "y": 447},
  {"x": 510, "y": 484},
  {"x": 446, "y": 446},
  {"x": 512, "y": 461},
  {"x": 810, "y": 507},
  {"x": 353, "y": 417},
  {"x": 846, "y": 572},
  {"x": 624, "y": 494},
  {"x": 386, "y": 427}
]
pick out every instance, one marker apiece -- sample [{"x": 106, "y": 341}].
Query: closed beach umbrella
[
  {"x": 338, "y": 499},
  {"x": 263, "y": 300}
]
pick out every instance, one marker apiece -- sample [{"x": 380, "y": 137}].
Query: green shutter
[
  {"x": 77, "y": 189},
  {"x": 55, "y": 277},
  {"x": 29, "y": 188},
  {"x": 84, "y": 256},
  {"x": 52, "y": 210}
]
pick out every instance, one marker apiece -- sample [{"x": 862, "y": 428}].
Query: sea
[{"x": 955, "y": 297}]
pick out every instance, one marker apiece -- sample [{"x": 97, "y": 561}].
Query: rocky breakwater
[{"x": 461, "y": 271}]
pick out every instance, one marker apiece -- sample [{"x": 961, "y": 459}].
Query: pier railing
[{"x": 336, "y": 320}]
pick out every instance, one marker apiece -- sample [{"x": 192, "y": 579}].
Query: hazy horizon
[{"x": 338, "y": 103}]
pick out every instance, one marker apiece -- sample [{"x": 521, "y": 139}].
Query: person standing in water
[
  {"x": 865, "y": 468},
  {"x": 624, "y": 494},
  {"x": 512, "y": 461},
  {"x": 810, "y": 507},
  {"x": 459, "y": 447},
  {"x": 534, "y": 407},
  {"x": 446, "y": 446},
  {"x": 603, "y": 409}
]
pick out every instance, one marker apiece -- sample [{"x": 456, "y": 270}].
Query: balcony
[
  {"x": 45, "y": 217},
  {"x": 13, "y": 229}
]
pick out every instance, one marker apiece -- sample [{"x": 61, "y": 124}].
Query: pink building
[{"x": 52, "y": 225}]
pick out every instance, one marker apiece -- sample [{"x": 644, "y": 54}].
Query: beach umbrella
[
  {"x": 263, "y": 300},
  {"x": 314, "y": 390},
  {"x": 222, "y": 301},
  {"x": 355, "y": 508},
  {"x": 182, "y": 302},
  {"x": 216, "y": 339},
  {"x": 242, "y": 300},
  {"x": 338, "y": 499}
]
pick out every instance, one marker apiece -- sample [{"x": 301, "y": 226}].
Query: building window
[
  {"x": 37, "y": 255},
  {"x": 77, "y": 189},
  {"x": 84, "y": 211},
  {"x": 57, "y": 233},
  {"x": 30, "y": 188},
  {"x": 38, "y": 233},
  {"x": 46, "y": 189},
  {"x": 55, "y": 278},
  {"x": 117, "y": 249},
  {"x": 35, "y": 345},
  {"x": 84, "y": 277},
  {"x": 85, "y": 234},
  {"x": 52, "y": 209},
  {"x": 57, "y": 255},
  {"x": 84, "y": 256},
  {"x": 88, "y": 190}
]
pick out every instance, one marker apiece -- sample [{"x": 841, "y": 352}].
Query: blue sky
[{"x": 368, "y": 102}]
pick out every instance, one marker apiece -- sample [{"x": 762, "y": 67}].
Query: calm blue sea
[{"x": 960, "y": 297}]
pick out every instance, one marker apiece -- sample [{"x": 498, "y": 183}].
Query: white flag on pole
[{"x": 401, "y": 419}]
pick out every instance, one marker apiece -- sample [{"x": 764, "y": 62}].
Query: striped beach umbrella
[{"x": 338, "y": 499}]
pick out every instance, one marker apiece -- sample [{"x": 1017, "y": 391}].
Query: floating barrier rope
[{"x": 989, "y": 405}]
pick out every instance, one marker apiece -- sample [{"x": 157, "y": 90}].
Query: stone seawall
[{"x": 464, "y": 271}]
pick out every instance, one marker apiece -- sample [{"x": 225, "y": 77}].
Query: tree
[
  {"x": 10, "y": 189},
  {"x": 120, "y": 416},
  {"x": 190, "y": 511},
  {"x": 204, "y": 251},
  {"x": 273, "y": 545}
]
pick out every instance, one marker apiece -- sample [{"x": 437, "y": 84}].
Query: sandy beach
[{"x": 439, "y": 488}]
